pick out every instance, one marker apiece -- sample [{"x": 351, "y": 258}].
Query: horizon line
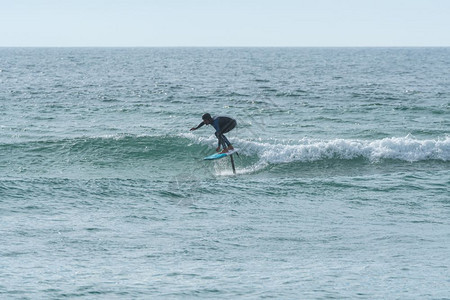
[{"x": 48, "y": 46}]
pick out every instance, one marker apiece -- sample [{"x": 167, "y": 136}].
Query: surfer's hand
[{"x": 193, "y": 128}]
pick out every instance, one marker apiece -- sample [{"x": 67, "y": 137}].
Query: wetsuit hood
[{"x": 207, "y": 117}]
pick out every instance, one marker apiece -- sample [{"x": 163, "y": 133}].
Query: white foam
[
  {"x": 306, "y": 150},
  {"x": 406, "y": 149}
]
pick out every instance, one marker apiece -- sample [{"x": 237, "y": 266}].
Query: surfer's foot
[{"x": 227, "y": 149}]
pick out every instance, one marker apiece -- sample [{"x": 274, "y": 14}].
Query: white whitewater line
[{"x": 307, "y": 150}]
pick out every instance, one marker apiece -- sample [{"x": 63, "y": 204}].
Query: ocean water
[{"x": 342, "y": 188}]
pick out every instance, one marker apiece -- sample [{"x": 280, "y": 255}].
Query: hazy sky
[{"x": 224, "y": 23}]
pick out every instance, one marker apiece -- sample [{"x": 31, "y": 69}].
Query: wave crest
[{"x": 406, "y": 148}]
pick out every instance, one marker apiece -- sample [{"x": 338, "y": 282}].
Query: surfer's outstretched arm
[{"x": 199, "y": 125}]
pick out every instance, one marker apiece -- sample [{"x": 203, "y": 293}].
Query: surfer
[{"x": 221, "y": 125}]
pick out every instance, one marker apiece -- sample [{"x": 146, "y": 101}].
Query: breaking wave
[
  {"x": 407, "y": 149},
  {"x": 129, "y": 155}
]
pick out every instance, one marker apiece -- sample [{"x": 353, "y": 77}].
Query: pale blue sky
[{"x": 224, "y": 23}]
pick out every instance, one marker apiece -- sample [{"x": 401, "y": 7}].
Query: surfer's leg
[
  {"x": 230, "y": 126},
  {"x": 227, "y": 142},
  {"x": 224, "y": 141},
  {"x": 221, "y": 139}
]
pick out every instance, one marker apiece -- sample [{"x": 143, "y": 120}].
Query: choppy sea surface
[{"x": 342, "y": 188}]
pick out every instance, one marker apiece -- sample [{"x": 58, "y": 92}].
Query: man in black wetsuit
[{"x": 222, "y": 125}]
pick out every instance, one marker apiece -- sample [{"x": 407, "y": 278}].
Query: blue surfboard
[{"x": 219, "y": 155}]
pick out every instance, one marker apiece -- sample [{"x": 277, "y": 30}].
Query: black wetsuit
[{"x": 222, "y": 125}]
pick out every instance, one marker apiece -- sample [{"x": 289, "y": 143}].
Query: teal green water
[{"x": 342, "y": 187}]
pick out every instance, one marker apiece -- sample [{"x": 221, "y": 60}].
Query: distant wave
[{"x": 110, "y": 148}]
